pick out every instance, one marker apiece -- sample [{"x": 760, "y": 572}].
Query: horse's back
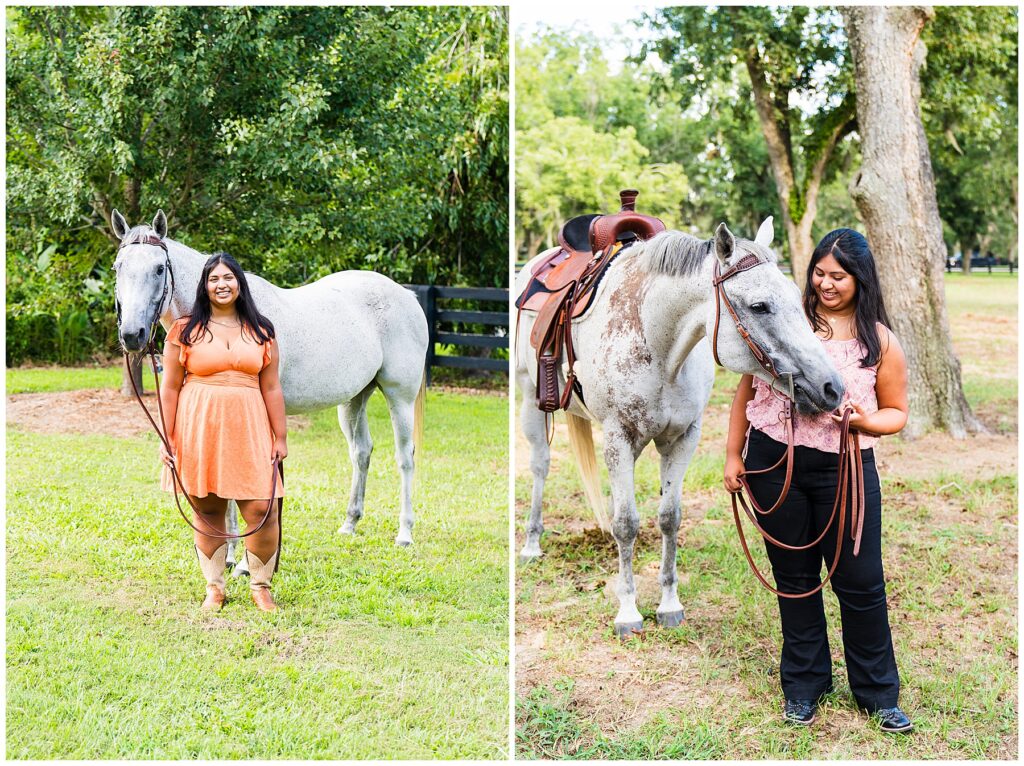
[{"x": 338, "y": 334}]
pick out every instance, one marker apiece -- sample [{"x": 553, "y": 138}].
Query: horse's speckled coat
[
  {"x": 338, "y": 339},
  {"x": 646, "y": 368}
]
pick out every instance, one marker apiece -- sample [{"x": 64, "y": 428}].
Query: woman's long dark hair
[
  {"x": 851, "y": 251},
  {"x": 258, "y": 326}
]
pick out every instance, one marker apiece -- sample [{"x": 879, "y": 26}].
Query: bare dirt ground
[{"x": 105, "y": 411}]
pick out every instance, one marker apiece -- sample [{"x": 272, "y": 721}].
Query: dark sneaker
[
  {"x": 800, "y": 712},
  {"x": 893, "y": 720}
]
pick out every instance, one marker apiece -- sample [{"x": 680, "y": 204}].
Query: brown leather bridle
[
  {"x": 850, "y": 462},
  {"x": 161, "y": 430}
]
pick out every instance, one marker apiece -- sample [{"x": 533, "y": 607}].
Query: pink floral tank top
[{"x": 819, "y": 431}]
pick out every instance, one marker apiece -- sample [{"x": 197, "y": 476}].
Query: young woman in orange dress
[
  {"x": 843, "y": 303},
  {"x": 225, "y": 414}
]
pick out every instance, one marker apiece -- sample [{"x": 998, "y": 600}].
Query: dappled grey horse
[
  {"x": 646, "y": 369},
  {"x": 339, "y": 339}
]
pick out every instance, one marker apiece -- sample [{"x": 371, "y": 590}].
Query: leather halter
[
  {"x": 161, "y": 430},
  {"x": 850, "y": 462}
]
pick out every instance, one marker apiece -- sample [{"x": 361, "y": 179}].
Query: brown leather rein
[
  {"x": 851, "y": 469},
  {"x": 161, "y": 430}
]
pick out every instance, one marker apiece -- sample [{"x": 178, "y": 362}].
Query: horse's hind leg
[
  {"x": 534, "y": 425},
  {"x": 675, "y": 457},
  {"x": 402, "y": 404},
  {"x": 621, "y": 460},
  {"x": 352, "y": 418}
]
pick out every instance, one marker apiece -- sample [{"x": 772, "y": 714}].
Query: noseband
[{"x": 851, "y": 470}]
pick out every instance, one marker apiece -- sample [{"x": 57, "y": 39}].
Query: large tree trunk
[{"x": 895, "y": 194}]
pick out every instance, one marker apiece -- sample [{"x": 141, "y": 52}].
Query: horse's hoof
[
  {"x": 671, "y": 619},
  {"x": 240, "y": 570},
  {"x": 528, "y": 558},
  {"x": 348, "y": 528},
  {"x": 624, "y": 630},
  {"x": 404, "y": 542}
]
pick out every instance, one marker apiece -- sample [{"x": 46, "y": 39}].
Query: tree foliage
[
  {"x": 304, "y": 140},
  {"x": 969, "y": 89}
]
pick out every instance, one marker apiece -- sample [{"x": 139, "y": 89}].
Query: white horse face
[
  {"x": 142, "y": 281},
  {"x": 770, "y": 308}
]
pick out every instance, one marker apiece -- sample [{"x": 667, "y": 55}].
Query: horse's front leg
[
  {"x": 354, "y": 424},
  {"x": 238, "y": 565},
  {"x": 534, "y": 425},
  {"x": 675, "y": 457},
  {"x": 621, "y": 460}
]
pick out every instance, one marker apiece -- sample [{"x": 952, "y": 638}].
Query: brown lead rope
[
  {"x": 850, "y": 467},
  {"x": 176, "y": 482}
]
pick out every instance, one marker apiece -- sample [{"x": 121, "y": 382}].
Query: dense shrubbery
[{"x": 302, "y": 140}]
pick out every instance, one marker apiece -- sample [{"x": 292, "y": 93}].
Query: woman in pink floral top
[{"x": 843, "y": 302}]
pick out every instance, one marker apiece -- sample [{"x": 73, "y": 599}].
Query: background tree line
[
  {"x": 301, "y": 140},
  {"x": 734, "y": 113}
]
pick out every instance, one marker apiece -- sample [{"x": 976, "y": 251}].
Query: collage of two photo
[{"x": 511, "y": 382}]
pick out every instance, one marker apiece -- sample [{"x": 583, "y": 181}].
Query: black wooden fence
[{"x": 450, "y": 325}]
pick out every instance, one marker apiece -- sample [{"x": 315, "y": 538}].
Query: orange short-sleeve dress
[{"x": 222, "y": 432}]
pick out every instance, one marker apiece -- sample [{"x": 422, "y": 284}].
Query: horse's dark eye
[
  {"x": 759, "y": 308},
  {"x": 159, "y": 269}
]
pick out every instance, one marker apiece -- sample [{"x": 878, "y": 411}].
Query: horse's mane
[
  {"x": 675, "y": 253},
  {"x": 678, "y": 254}
]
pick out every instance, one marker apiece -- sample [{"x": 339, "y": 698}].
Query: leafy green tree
[
  {"x": 793, "y": 56},
  {"x": 302, "y": 139},
  {"x": 970, "y": 108},
  {"x": 566, "y": 168}
]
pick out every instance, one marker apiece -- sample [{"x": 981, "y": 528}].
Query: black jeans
[{"x": 858, "y": 582}]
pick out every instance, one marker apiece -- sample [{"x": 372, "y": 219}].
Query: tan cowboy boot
[
  {"x": 213, "y": 571},
  {"x": 260, "y": 575}
]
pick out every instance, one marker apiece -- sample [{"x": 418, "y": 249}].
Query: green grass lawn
[
  {"x": 710, "y": 688},
  {"x": 377, "y": 651}
]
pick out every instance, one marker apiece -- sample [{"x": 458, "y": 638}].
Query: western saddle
[{"x": 562, "y": 287}]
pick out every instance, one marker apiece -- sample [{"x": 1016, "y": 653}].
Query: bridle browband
[
  {"x": 850, "y": 462},
  {"x": 161, "y": 430}
]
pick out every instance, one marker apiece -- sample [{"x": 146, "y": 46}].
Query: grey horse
[{"x": 646, "y": 368}]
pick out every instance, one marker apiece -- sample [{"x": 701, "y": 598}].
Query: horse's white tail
[
  {"x": 581, "y": 438},
  {"x": 418, "y": 415}
]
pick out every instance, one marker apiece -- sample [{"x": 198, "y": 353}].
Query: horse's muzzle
[{"x": 133, "y": 342}]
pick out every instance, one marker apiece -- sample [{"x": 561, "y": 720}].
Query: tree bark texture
[{"x": 895, "y": 193}]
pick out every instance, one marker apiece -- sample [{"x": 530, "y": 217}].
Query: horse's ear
[
  {"x": 725, "y": 243},
  {"x": 118, "y": 225},
  {"x": 766, "y": 233},
  {"x": 160, "y": 224}
]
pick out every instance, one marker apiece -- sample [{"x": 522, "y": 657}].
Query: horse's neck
[
  {"x": 187, "y": 267},
  {"x": 675, "y": 314}
]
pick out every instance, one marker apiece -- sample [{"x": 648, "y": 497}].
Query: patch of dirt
[
  {"x": 502, "y": 392},
  {"x": 92, "y": 411},
  {"x": 979, "y": 456}
]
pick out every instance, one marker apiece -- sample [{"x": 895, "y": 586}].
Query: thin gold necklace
[{"x": 225, "y": 324}]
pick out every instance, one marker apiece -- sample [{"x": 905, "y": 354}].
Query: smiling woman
[{"x": 225, "y": 425}]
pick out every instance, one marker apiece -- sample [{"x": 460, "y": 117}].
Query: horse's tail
[
  {"x": 581, "y": 438},
  {"x": 419, "y": 414}
]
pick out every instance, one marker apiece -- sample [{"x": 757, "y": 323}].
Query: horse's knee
[
  {"x": 668, "y": 519},
  {"x": 625, "y": 527},
  {"x": 540, "y": 465}
]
